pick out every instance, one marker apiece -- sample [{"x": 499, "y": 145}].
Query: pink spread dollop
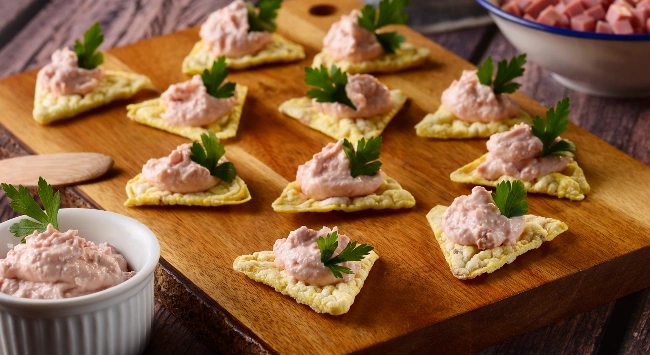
[
  {"x": 225, "y": 32},
  {"x": 476, "y": 220},
  {"x": 54, "y": 265},
  {"x": 327, "y": 175},
  {"x": 517, "y": 153},
  {"x": 299, "y": 256},
  {"x": 368, "y": 95},
  {"x": 178, "y": 173},
  {"x": 472, "y": 101},
  {"x": 64, "y": 77},
  {"x": 189, "y": 104},
  {"x": 346, "y": 40}
]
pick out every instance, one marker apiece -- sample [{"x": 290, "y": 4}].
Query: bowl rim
[
  {"x": 495, "y": 10},
  {"x": 98, "y": 297}
]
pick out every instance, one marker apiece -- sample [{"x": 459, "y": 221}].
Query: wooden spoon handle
[{"x": 58, "y": 169}]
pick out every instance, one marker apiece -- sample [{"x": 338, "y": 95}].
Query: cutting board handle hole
[{"x": 322, "y": 10}]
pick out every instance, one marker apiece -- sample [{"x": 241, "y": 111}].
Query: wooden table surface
[{"x": 31, "y": 30}]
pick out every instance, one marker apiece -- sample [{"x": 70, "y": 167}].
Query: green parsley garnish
[
  {"x": 264, "y": 19},
  {"x": 548, "y": 131},
  {"x": 212, "y": 80},
  {"x": 363, "y": 161},
  {"x": 505, "y": 74},
  {"x": 330, "y": 87},
  {"x": 352, "y": 252},
  {"x": 86, "y": 56},
  {"x": 209, "y": 154},
  {"x": 388, "y": 14},
  {"x": 511, "y": 198},
  {"x": 25, "y": 204}
]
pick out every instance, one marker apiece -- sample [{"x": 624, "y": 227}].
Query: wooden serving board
[{"x": 410, "y": 300}]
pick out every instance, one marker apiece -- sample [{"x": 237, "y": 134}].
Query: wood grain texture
[{"x": 57, "y": 169}]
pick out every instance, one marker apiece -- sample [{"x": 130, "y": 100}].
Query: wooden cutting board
[{"x": 411, "y": 301}]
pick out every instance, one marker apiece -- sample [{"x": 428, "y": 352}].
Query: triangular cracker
[
  {"x": 141, "y": 193},
  {"x": 468, "y": 262},
  {"x": 333, "y": 299},
  {"x": 279, "y": 50},
  {"x": 389, "y": 195},
  {"x": 444, "y": 125},
  {"x": 114, "y": 86},
  {"x": 570, "y": 183},
  {"x": 407, "y": 56},
  {"x": 148, "y": 113},
  {"x": 353, "y": 130}
]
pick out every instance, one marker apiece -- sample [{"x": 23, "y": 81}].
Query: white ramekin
[{"x": 117, "y": 320}]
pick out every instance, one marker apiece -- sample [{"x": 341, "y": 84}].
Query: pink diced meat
[
  {"x": 597, "y": 12},
  {"x": 645, "y": 4},
  {"x": 574, "y": 8},
  {"x": 583, "y": 23},
  {"x": 639, "y": 18},
  {"x": 565, "y": 22},
  {"x": 522, "y": 4},
  {"x": 616, "y": 13},
  {"x": 623, "y": 27},
  {"x": 604, "y": 27},
  {"x": 647, "y": 25},
  {"x": 590, "y": 3},
  {"x": 535, "y": 7},
  {"x": 512, "y": 8},
  {"x": 549, "y": 16},
  {"x": 529, "y": 18}
]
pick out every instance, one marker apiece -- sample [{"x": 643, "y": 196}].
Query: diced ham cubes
[
  {"x": 597, "y": 12},
  {"x": 623, "y": 27},
  {"x": 550, "y": 16},
  {"x": 512, "y": 8},
  {"x": 535, "y": 7},
  {"x": 604, "y": 27},
  {"x": 574, "y": 8},
  {"x": 583, "y": 23},
  {"x": 529, "y": 18}
]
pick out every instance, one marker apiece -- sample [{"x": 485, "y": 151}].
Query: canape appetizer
[
  {"x": 244, "y": 35},
  {"x": 355, "y": 45},
  {"x": 345, "y": 106},
  {"x": 192, "y": 175},
  {"x": 482, "y": 232},
  {"x": 476, "y": 105},
  {"x": 194, "y": 107},
  {"x": 536, "y": 155},
  {"x": 322, "y": 269},
  {"x": 342, "y": 178},
  {"x": 75, "y": 82}
]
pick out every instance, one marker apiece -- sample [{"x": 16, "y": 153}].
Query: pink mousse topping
[
  {"x": 517, "y": 153},
  {"x": 327, "y": 175},
  {"x": 299, "y": 256},
  {"x": 346, "y": 40},
  {"x": 472, "y": 101},
  {"x": 178, "y": 173},
  {"x": 61, "y": 265},
  {"x": 476, "y": 220},
  {"x": 369, "y": 96},
  {"x": 64, "y": 77},
  {"x": 225, "y": 32}
]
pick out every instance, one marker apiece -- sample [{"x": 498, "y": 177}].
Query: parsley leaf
[
  {"x": 264, "y": 20},
  {"x": 330, "y": 87},
  {"x": 351, "y": 252},
  {"x": 389, "y": 13},
  {"x": 506, "y": 72},
  {"x": 209, "y": 154},
  {"x": 212, "y": 80},
  {"x": 364, "y": 160},
  {"x": 485, "y": 72},
  {"x": 511, "y": 198},
  {"x": 25, "y": 204},
  {"x": 548, "y": 131},
  {"x": 86, "y": 56}
]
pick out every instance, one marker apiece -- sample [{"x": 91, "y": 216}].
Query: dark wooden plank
[
  {"x": 15, "y": 15},
  {"x": 171, "y": 336},
  {"x": 637, "y": 336},
  {"x": 466, "y": 43}
]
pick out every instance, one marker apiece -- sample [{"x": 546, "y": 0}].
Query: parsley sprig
[
  {"x": 209, "y": 154},
  {"x": 264, "y": 19},
  {"x": 212, "y": 79},
  {"x": 86, "y": 56},
  {"x": 389, "y": 13},
  {"x": 549, "y": 130},
  {"x": 22, "y": 202},
  {"x": 511, "y": 198},
  {"x": 329, "y": 87},
  {"x": 351, "y": 252},
  {"x": 507, "y": 71},
  {"x": 363, "y": 161}
]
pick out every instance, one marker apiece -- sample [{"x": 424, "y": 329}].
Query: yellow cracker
[
  {"x": 141, "y": 193},
  {"x": 443, "y": 124},
  {"x": 148, "y": 113},
  {"x": 352, "y": 129},
  {"x": 114, "y": 86},
  {"x": 389, "y": 195},
  {"x": 333, "y": 299},
  {"x": 570, "y": 183},
  {"x": 468, "y": 262},
  {"x": 279, "y": 50},
  {"x": 407, "y": 56}
]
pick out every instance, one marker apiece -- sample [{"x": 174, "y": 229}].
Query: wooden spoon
[{"x": 58, "y": 169}]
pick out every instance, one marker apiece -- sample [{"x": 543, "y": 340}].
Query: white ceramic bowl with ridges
[
  {"x": 594, "y": 63},
  {"x": 117, "y": 320}
]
